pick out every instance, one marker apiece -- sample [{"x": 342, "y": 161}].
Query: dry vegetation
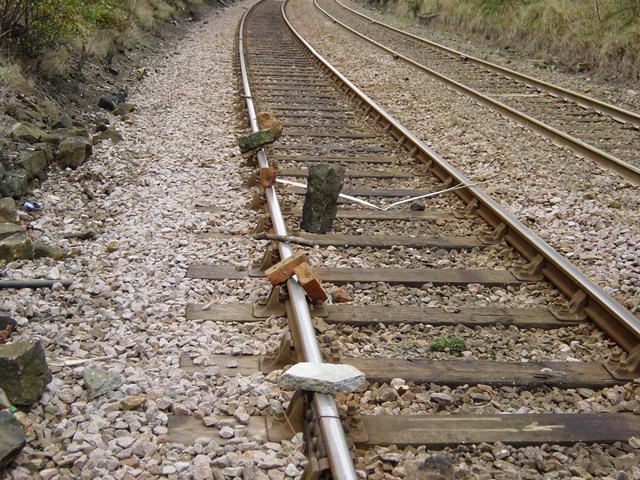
[
  {"x": 58, "y": 36},
  {"x": 598, "y": 35}
]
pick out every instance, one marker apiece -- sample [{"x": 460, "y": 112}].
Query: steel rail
[
  {"x": 619, "y": 114},
  {"x": 607, "y": 313},
  {"x": 629, "y": 172},
  {"x": 335, "y": 441}
]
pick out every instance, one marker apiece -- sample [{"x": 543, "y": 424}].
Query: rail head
[
  {"x": 616, "y": 320},
  {"x": 330, "y": 424},
  {"x": 619, "y": 114},
  {"x": 628, "y": 171}
]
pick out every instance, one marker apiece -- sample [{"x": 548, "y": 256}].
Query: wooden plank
[
  {"x": 417, "y": 277},
  {"x": 186, "y": 430},
  {"x": 285, "y": 108},
  {"x": 303, "y": 172},
  {"x": 455, "y": 373},
  {"x": 352, "y": 214},
  {"x": 376, "y": 241},
  {"x": 452, "y": 373},
  {"x": 313, "y": 158},
  {"x": 362, "y": 315},
  {"x": 440, "y": 431},
  {"x": 335, "y": 148},
  {"x": 215, "y": 272},
  {"x": 377, "y": 192},
  {"x": 238, "y": 312},
  {"x": 314, "y": 132},
  {"x": 393, "y": 276},
  {"x": 357, "y": 315},
  {"x": 246, "y": 364},
  {"x": 323, "y": 124}
]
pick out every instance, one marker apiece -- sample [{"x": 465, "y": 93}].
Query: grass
[
  {"x": 603, "y": 35},
  {"x": 453, "y": 345}
]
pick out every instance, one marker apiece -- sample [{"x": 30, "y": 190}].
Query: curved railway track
[
  {"x": 601, "y": 132},
  {"x": 438, "y": 279}
]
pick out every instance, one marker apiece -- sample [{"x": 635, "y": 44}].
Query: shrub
[{"x": 32, "y": 25}]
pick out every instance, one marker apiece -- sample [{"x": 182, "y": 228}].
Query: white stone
[{"x": 323, "y": 377}]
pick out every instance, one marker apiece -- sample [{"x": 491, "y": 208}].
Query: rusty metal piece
[
  {"x": 285, "y": 356},
  {"x": 574, "y": 310},
  {"x": 267, "y": 177},
  {"x": 532, "y": 271},
  {"x": 272, "y": 306},
  {"x": 627, "y": 368},
  {"x": 496, "y": 236}
]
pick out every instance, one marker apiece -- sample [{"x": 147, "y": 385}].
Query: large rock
[
  {"x": 323, "y": 377},
  {"x": 14, "y": 184},
  {"x": 324, "y": 183},
  {"x": 255, "y": 140},
  {"x": 25, "y": 132},
  {"x": 34, "y": 162},
  {"x": 43, "y": 250},
  {"x": 108, "y": 102},
  {"x": 8, "y": 210},
  {"x": 73, "y": 152},
  {"x": 12, "y": 438},
  {"x": 16, "y": 247},
  {"x": 48, "y": 111},
  {"x": 24, "y": 372},
  {"x": 9, "y": 229},
  {"x": 266, "y": 120},
  {"x": 124, "y": 108},
  {"x": 99, "y": 381},
  {"x": 108, "y": 134}
]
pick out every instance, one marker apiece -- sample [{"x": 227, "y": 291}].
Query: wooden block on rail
[
  {"x": 283, "y": 270},
  {"x": 310, "y": 282}
]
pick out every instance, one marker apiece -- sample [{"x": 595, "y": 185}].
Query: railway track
[
  {"x": 601, "y": 132},
  {"x": 443, "y": 283}
]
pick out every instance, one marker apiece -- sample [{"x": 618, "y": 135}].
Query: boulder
[
  {"x": 63, "y": 121},
  {"x": 26, "y": 132},
  {"x": 8, "y": 210},
  {"x": 16, "y": 247},
  {"x": 12, "y": 438},
  {"x": 324, "y": 183},
  {"x": 108, "y": 102},
  {"x": 323, "y": 377},
  {"x": 99, "y": 381},
  {"x": 255, "y": 140},
  {"x": 14, "y": 184},
  {"x": 41, "y": 250},
  {"x": 46, "y": 149},
  {"x": 73, "y": 152},
  {"x": 24, "y": 372},
  {"x": 124, "y": 108},
  {"x": 9, "y": 229},
  {"x": 34, "y": 163},
  {"x": 120, "y": 95},
  {"x": 109, "y": 134},
  {"x": 266, "y": 120},
  {"x": 48, "y": 111}
]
